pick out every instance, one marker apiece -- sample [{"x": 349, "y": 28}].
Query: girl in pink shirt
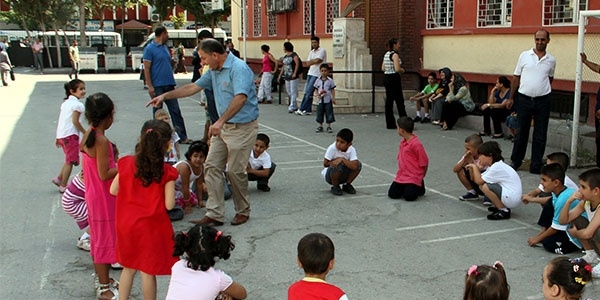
[{"x": 269, "y": 67}]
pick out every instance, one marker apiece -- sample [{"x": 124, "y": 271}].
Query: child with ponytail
[
  {"x": 565, "y": 278},
  {"x": 145, "y": 190},
  {"x": 484, "y": 282},
  {"x": 194, "y": 276}
]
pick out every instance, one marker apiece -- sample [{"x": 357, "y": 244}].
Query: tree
[
  {"x": 200, "y": 16},
  {"x": 179, "y": 20}
]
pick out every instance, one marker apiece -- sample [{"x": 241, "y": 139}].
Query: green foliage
[
  {"x": 179, "y": 20},
  {"x": 207, "y": 19}
]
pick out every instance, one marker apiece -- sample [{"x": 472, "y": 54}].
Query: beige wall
[{"x": 498, "y": 54}]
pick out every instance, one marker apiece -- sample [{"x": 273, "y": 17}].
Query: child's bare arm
[
  {"x": 461, "y": 163},
  {"x": 76, "y": 123},
  {"x": 532, "y": 241},
  {"x": 476, "y": 174},
  {"x": 177, "y": 150},
  {"x": 568, "y": 215},
  {"x": 333, "y": 96},
  {"x": 114, "y": 186},
  {"x": 170, "y": 195}
]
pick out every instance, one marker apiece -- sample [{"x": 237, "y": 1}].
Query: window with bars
[
  {"x": 333, "y": 11},
  {"x": 440, "y": 14},
  {"x": 272, "y": 22},
  {"x": 306, "y": 10},
  {"x": 560, "y": 12},
  {"x": 494, "y": 13},
  {"x": 257, "y": 18}
]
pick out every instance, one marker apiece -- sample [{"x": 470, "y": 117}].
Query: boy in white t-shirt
[
  {"x": 260, "y": 167},
  {"x": 341, "y": 163},
  {"x": 499, "y": 183}
]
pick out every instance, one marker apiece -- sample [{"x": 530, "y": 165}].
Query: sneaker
[
  {"x": 596, "y": 272},
  {"x": 83, "y": 244},
  {"x": 298, "y": 112},
  {"x": 348, "y": 188},
  {"x": 62, "y": 189},
  {"x": 468, "y": 196},
  {"x": 116, "y": 266},
  {"x": 57, "y": 181},
  {"x": 319, "y": 129},
  {"x": 590, "y": 256},
  {"x": 426, "y": 120},
  {"x": 502, "y": 215},
  {"x": 436, "y": 122},
  {"x": 487, "y": 202},
  {"x": 417, "y": 119},
  {"x": 336, "y": 190},
  {"x": 145, "y": 87},
  {"x": 329, "y": 130}
]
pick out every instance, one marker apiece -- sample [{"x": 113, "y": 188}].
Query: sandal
[{"x": 107, "y": 287}]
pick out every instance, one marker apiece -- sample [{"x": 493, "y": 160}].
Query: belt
[
  {"x": 230, "y": 123},
  {"x": 534, "y": 98}
]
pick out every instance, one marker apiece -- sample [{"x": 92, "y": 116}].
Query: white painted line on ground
[
  {"x": 299, "y": 168},
  {"x": 438, "y": 224},
  {"x": 372, "y": 185},
  {"x": 289, "y": 146},
  {"x": 298, "y": 162},
  {"x": 535, "y": 297},
  {"x": 464, "y": 236},
  {"x": 49, "y": 247}
]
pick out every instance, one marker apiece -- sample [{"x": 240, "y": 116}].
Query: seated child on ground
[
  {"x": 194, "y": 273},
  {"x": 260, "y": 167},
  {"x": 341, "y": 163},
  {"x": 554, "y": 238},
  {"x": 422, "y": 98},
  {"x": 191, "y": 172},
  {"x": 499, "y": 183},
  {"x": 544, "y": 199},
  {"x": 587, "y": 230},
  {"x": 412, "y": 164},
  {"x": 472, "y": 142},
  {"x": 565, "y": 278},
  {"x": 172, "y": 155},
  {"x": 485, "y": 282},
  {"x": 316, "y": 256}
]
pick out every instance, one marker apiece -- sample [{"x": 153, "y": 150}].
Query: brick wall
[{"x": 402, "y": 19}]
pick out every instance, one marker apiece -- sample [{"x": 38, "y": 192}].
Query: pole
[
  {"x": 123, "y": 20},
  {"x": 312, "y": 18},
  {"x": 244, "y": 25}
]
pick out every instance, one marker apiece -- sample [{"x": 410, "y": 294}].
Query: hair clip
[
  {"x": 498, "y": 263},
  {"x": 580, "y": 280},
  {"x": 219, "y": 233},
  {"x": 575, "y": 268},
  {"x": 588, "y": 268},
  {"x": 472, "y": 270},
  {"x": 148, "y": 130},
  {"x": 92, "y": 128}
]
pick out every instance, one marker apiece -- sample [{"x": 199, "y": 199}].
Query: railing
[{"x": 372, "y": 72}]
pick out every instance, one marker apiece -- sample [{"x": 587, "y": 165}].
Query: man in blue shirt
[
  {"x": 159, "y": 77},
  {"x": 232, "y": 135}
]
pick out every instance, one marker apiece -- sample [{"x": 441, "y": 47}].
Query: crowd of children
[{"x": 153, "y": 180}]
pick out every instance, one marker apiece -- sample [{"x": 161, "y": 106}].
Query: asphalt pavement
[{"x": 385, "y": 249}]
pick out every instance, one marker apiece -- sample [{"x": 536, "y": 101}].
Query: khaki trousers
[{"x": 231, "y": 148}]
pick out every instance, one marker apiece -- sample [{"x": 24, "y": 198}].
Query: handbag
[{"x": 12, "y": 75}]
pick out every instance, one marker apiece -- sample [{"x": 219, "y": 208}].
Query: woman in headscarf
[
  {"x": 437, "y": 99},
  {"x": 458, "y": 102}
]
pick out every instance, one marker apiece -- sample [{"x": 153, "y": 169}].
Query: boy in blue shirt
[{"x": 555, "y": 238}]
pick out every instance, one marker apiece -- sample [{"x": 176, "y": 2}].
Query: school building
[{"x": 481, "y": 39}]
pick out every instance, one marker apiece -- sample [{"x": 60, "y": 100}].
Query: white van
[{"x": 187, "y": 37}]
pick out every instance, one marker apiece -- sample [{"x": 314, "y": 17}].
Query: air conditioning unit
[{"x": 155, "y": 18}]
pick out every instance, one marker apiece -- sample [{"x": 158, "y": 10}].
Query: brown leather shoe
[
  {"x": 239, "y": 219},
  {"x": 207, "y": 221}
]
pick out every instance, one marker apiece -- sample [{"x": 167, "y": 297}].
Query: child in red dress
[{"x": 145, "y": 190}]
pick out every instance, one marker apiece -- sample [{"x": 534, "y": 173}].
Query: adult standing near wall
[
  {"x": 232, "y": 135},
  {"x": 38, "y": 58},
  {"x": 5, "y": 66},
  {"x": 531, "y": 88},
  {"x": 289, "y": 73},
  {"x": 74, "y": 57},
  {"x": 159, "y": 77},
  {"x": 391, "y": 67},
  {"x": 316, "y": 57},
  {"x": 596, "y": 68}
]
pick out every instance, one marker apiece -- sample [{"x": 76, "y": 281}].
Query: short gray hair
[{"x": 211, "y": 46}]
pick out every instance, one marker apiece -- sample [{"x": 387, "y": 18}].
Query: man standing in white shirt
[
  {"x": 316, "y": 57},
  {"x": 531, "y": 85}
]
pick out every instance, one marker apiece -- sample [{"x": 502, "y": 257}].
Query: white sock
[
  {"x": 84, "y": 236},
  {"x": 472, "y": 192},
  {"x": 426, "y": 115},
  {"x": 419, "y": 114}
]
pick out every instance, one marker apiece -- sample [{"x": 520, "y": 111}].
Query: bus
[
  {"x": 187, "y": 37},
  {"x": 99, "y": 39}
]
